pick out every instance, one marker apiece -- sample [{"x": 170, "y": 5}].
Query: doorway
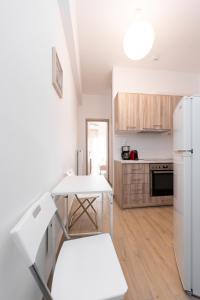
[{"x": 97, "y": 147}]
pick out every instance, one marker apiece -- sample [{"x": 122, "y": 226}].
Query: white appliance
[{"x": 186, "y": 146}]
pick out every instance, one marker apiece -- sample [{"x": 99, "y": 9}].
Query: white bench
[{"x": 86, "y": 268}]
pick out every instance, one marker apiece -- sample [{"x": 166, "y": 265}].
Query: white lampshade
[{"x": 138, "y": 40}]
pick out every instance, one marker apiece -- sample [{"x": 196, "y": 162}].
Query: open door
[{"x": 97, "y": 147}]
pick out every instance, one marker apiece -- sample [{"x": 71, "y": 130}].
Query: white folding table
[{"x": 92, "y": 184}]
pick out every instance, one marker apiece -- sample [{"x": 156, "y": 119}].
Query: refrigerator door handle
[{"x": 185, "y": 151}]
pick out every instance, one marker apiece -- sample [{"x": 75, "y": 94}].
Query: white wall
[
  {"x": 153, "y": 81},
  {"x": 150, "y": 81},
  {"x": 92, "y": 107},
  {"x": 38, "y": 130},
  {"x": 69, "y": 19},
  {"x": 148, "y": 145}
]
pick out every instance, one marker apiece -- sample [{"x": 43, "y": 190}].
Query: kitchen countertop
[{"x": 146, "y": 161}]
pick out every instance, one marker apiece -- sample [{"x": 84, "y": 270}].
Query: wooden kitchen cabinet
[
  {"x": 132, "y": 186},
  {"x": 150, "y": 106},
  {"x": 144, "y": 112},
  {"x": 121, "y": 112},
  {"x": 133, "y": 108},
  {"x": 174, "y": 101},
  {"x": 127, "y": 112},
  {"x": 155, "y": 112},
  {"x": 165, "y": 111}
]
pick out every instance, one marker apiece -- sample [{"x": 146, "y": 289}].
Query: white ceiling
[{"x": 102, "y": 24}]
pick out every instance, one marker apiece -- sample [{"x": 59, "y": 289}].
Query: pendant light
[{"x": 138, "y": 40}]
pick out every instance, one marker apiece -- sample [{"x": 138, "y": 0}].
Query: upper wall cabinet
[
  {"x": 174, "y": 101},
  {"x": 155, "y": 112},
  {"x": 143, "y": 112},
  {"x": 127, "y": 107}
]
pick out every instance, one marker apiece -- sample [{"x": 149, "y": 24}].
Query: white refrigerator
[{"x": 186, "y": 152}]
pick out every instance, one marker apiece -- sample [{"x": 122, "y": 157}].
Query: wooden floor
[{"x": 143, "y": 241}]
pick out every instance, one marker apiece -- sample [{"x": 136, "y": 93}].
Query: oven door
[{"x": 162, "y": 183}]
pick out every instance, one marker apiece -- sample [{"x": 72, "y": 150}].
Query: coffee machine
[{"x": 125, "y": 154}]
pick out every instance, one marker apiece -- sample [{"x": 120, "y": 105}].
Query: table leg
[
  {"x": 111, "y": 213},
  {"x": 84, "y": 210},
  {"x": 53, "y": 246},
  {"x": 53, "y": 240},
  {"x": 102, "y": 211},
  {"x": 67, "y": 212}
]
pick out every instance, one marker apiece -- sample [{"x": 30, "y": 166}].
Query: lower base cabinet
[{"x": 132, "y": 186}]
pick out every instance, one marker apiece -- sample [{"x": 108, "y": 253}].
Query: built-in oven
[{"x": 161, "y": 179}]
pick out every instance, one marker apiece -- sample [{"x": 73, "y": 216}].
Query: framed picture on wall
[{"x": 57, "y": 73}]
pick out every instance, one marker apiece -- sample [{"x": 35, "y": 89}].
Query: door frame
[{"x": 108, "y": 140}]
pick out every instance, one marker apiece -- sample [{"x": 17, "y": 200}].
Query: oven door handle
[{"x": 162, "y": 172}]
